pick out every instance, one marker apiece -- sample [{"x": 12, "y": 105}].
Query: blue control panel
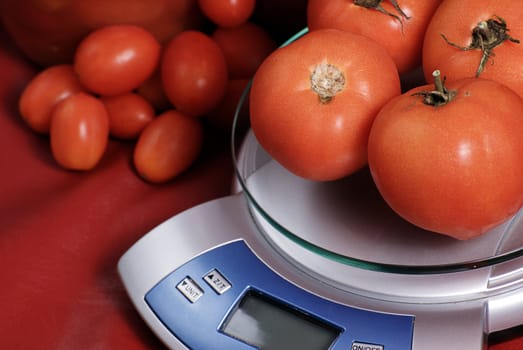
[{"x": 227, "y": 298}]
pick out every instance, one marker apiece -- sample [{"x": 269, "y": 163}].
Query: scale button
[
  {"x": 366, "y": 346},
  {"x": 217, "y": 282},
  {"x": 190, "y": 289}
]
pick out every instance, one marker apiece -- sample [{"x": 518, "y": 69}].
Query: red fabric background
[{"x": 61, "y": 233}]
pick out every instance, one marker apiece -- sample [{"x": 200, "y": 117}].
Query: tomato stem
[
  {"x": 441, "y": 95},
  {"x": 327, "y": 81},
  {"x": 486, "y": 36},
  {"x": 376, "y": 5},
  {"x": 438, "y": 82}
]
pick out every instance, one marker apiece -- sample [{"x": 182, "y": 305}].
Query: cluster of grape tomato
[{"x": 124, "y": 84}]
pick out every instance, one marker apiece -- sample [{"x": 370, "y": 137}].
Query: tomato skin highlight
[
  {"x": 403, "y": 40},
  {"x": 314, "y": 140},
  {"x": 128, "y": 113},
  {"x": 43, "y": 92},
  {"x": 194, "y": 73},
  {"x": 455, "y": 169},
  {"x": 79, "y": 132},
  {"x": 167, "y": 146},
  {"x": 116, "y": 59},
  {"x": 456, "y": 19}
]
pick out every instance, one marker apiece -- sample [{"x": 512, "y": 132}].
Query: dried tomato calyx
[
  {"x": 486, "y": 36},
  {"x": 440, "y": 96},
  {"x": 327, "y": 80},
  {"x": 376, "y": 5}
]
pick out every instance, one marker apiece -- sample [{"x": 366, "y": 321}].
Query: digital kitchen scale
[{"x": 287, "y": 263}]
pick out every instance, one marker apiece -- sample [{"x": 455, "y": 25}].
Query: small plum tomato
[
  {"x": 476, "y": 38},
  {"x": 168, "y": 146},
  {"x": 245, "y": 47},
  {"x": 227, "y": 13},
  {"x": 116, "y": 59},
  {"x": 128, "y": 113},
  {"x": 194, "y": 73},
  {"x": 450, "y": 159},
  {"x": 79, "y": 132},
  {"x": 312, "y": 103},
  {"x": 399, "y": 26},
  {"x": 152, "y": 91},
  {"x": 43, "y": 92}
]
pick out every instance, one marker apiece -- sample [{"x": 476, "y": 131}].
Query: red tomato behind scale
[
  {"x": 455, "y": 169},
  {"x": 48, "y": 31},
  {"x": 43, "y": 92},
  {"x": 194, "y": 73},
  {"x": 79, "y": 132},
  {"x": 312, "y": 103},
  {"x": 456, "y": 20},
  {"x": 400, "y": 30},
  {"x": 168, "y": 146},
  {"x": 116, "y": 59},
  {"x": 128, "y": 113},
  {"x": 227, "y": 13}
]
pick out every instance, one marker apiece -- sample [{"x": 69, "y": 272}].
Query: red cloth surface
[{"x": 62, "y": 233}]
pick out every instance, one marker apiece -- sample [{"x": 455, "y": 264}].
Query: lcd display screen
[{"x": 268, "y": 324}]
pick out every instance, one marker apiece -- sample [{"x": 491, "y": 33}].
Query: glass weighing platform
[{"x": 287, "y": 263}]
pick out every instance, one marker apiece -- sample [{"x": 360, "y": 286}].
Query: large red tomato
[
  {"x": 453, "y": 167},
  {"x": 48, "y": 31},
  {"x": 397, "y": 26},
  {"x": 468, "y": 38},
  {"x": 312, "y": 102}
]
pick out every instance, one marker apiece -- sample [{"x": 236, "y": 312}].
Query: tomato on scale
[
  {"x": 312, "y": 103},
  {"x": 476, "y": 38},
  {"x": 397, "y": 26},
  {"x": 449, "y": 159}
]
